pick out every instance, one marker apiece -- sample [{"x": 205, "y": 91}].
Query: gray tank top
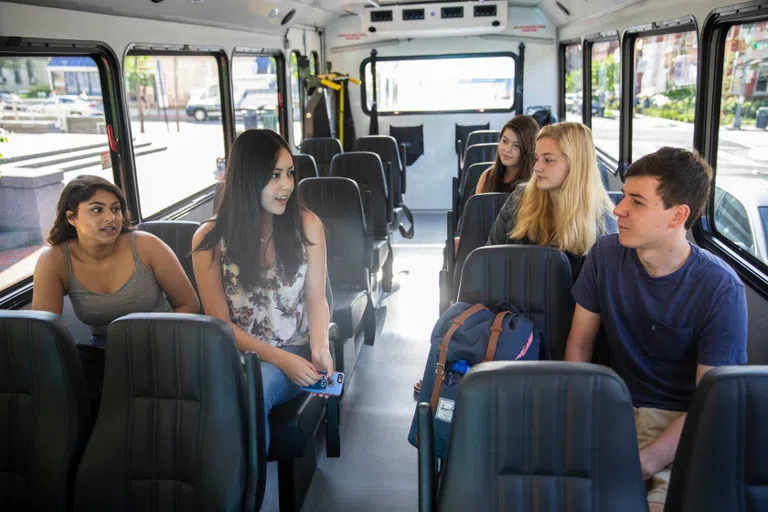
[{"x": 140, "y": 294}]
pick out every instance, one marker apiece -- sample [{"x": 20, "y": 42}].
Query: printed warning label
[
  {"x": 352, "y": 37},
  {"x": 445, "y": 410}
]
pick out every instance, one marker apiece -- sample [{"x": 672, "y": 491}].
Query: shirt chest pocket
[{"x": 669, "y": 343}]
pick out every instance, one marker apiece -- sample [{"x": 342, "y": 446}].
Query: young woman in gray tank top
[
  {"x": 260, "y": 266},
  {"x": 107, "y": 269}
]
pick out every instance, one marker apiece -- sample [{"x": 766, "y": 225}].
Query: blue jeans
[{"x": 277, "y": 387}]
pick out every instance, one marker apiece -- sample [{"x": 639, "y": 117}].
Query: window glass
[
  {"x": 314, "y": 63},
  {"x": 174, "y": 105},
  {"x": 664, "y": 92},
  {"x": 442, "y": 84},
  {"x": 52, "y": 129},
  {"x": 606, "y": 95},
  {"x": 742, "y": 151},
  {"x": 733, "y": 221},
  {"x": 297, "y": 109},
  {"x": 255, "y": 92},
  {"x": 573, "y": 82}
]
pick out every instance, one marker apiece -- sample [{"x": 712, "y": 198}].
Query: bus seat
[
  {"x": 177, "y": 234},
  {"x": 305, "y": 167},
  {"x": 536, "y": 280},
  {"x": 478, "y": 153},
  {"x": 46, "y": 419},
  {"x": 322, "y": 149},
  {"x": 179, "y": 426},
  {"x": 349, "y": 242},
  {"x": 483, "y": 137},
  {"x": 616, "y": 197},
  {"x": 470, "y": 184},
  {"x": 386, "y": 147},
  {"x": 719, "y": 463},
  {"x": 461, "y": 135},
  {"x": 538, "y": 435}
]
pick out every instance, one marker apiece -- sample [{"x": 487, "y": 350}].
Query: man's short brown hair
[{"x": 684, "y": 178}]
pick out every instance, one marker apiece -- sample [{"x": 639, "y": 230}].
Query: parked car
[
  {"x": 741, "y": 212},
  {"x": 68, "y": 105}
]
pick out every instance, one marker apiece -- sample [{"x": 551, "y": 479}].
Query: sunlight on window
[
  {"x": 574, "y": 83},
  {"x": 606, "y": 95}
]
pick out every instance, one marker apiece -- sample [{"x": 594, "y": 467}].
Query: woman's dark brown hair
[
  {"x": 77, "y": 191},
  {"x": 525, "y": 129}
]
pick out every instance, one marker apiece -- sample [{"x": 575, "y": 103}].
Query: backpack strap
[
  {"x": 496, "y": 329},
  {"x": 440, "y": 368}
]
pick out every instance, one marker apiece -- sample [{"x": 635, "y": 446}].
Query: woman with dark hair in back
[
  {"x": 515, "y": 156},
  {"x": 260, "y": 266},
  {"x": 106, "y": 268}
]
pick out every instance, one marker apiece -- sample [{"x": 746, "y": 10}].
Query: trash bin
[{"x": 762, "y": 117}]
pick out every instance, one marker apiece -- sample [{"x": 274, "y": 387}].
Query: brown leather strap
[
  {"x": 496, "y": 329},
  {"x": 440, "y": 368}
]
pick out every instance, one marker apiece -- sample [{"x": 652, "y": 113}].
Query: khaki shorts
[{"x": 650, "y": 424}]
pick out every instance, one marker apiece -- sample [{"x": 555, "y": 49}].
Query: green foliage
[
  {"x": 573, "y": 80},
  {"x": 134, "y": 76},
  {"x": 33, "y": 93},
  {"x": 604, "y": 75}
]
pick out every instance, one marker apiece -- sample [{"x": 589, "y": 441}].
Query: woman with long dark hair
[
  {"x": 260, "y": 266},
  {"x": 515, "y": 156}
]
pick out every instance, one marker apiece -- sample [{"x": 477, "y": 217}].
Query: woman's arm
[
  {"x": 168, "y": 272},
  {"x": 47, "y": 285},
  {"x": 207, "y": 265},
  {"x": 314, "y": 292},
  {"x": 481, "y": 182}
]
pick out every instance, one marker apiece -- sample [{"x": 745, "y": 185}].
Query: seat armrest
[
  {"x": 390, "y": 193},
  {"x": 256, "y": 457},
  {"x": 333, "y": 332},
  {"x": 426, "y": 458},
  {"x": 404, "y": 161}
]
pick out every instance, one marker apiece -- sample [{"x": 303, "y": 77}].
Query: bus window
[
  {"x": 664, "y": 92},
  {"x": 606, "y": 95},
  {"x": 255, "y": 90},
  {"x": 174, "y": 104},
  {"x": 297, "y": 108},
  {"x": 445, "y": 84},
  {"x": 573, "y": 82},
  {"x": 742, "y": 155},
  {"x": 314, "y": 63},
  {"x": 52, "y": 129}
]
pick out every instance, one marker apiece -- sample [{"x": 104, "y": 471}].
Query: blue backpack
[{"x": 466, "y": 335}]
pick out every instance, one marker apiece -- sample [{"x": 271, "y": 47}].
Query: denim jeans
[{"x": 277, "y": 387}]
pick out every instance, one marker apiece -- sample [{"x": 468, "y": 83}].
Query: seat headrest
[
  {"x": 305, "y": 167},
  {"x": 321, "y": 148}
]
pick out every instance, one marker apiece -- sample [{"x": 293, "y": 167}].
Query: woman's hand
[
  {"x": 322, "y": 360},
  {"x": 300, "y": 371}
]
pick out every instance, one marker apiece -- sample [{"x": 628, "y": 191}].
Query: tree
[
  {"x": 573, "y": 80},
  {"x": 138, "y": 77}
]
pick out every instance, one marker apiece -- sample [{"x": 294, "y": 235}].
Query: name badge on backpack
[{"x": 444, "y": 410}]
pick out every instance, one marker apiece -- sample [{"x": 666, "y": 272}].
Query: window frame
[
  {"x": 314, "y": 57},
  {"x": 280, "y": 67},
  {"x": 626, "y": 118},
  {"x": 517, "y": 101},
  {"x": 586, "y": 109},
  {"x": 119, "y": 142},
  {"x": 302, "y": 106},
  {"x": 708, "y": 104},
  {"x": 183, "y": 206},
  {"x": 561, "y": 74}
]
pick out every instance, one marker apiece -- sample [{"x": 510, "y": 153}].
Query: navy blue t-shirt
[{"x": 659, "y": 329}]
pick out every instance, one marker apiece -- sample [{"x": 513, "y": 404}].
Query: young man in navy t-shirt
[{"x": 671, "y": 310}]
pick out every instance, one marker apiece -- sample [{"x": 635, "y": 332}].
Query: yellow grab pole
[{"x": 341, "y": 116}]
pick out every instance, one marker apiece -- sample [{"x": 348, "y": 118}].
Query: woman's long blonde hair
[{"x": 582, "y": 200}]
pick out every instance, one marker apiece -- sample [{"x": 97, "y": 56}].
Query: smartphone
[{"x": 332, "y": 386}]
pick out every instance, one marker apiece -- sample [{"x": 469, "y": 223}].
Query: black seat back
[
  {"x": 177, "y": 234},
  {"x": 176, "y": 428},
  {"x": 720, "y": 461},
  {"x": 478, "y": 153},
  {"x": 483, "y": 137},
  {"x": 479, "y": 215},
  {"x": 470, "y": 183},
  {"x": 365, "y": 169},
  {"x": 322, "y": 149},
  {"x": 542, "y": 436},
  {"x": 305, "y": 167},
  {"x": 386, "y": 147},
  {"x": 462, "y": 134},
  {"x": 536, "y": 280},
  {"x": 337, "y": 202},
  {"x": 45, "y": 416}
]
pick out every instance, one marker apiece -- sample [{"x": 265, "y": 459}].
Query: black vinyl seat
[
  {"x": 177, "y": 234},
  {"x": 392, "y": 157},
  {"x": 180, "y": 424},
  {"x": 474, "y": 172},
  {"x": 536, "y": 280},
  {"x": 322, "y": 149},
  {"x": 720, "y": 461},
  {"x": 349, "y": 243},
  {"x": 485, "y": 152},
  {"x": 46, "y": 418},
  {"x": 461, "y": 135},
  {"x": 305, "y": 167},
  {"x": 482, "y": 137},
  {"x": 536, "y": 436}
]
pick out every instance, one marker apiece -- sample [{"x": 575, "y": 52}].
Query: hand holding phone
[{"x": 324, "y": 386}]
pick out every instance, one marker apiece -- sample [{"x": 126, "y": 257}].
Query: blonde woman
[{"x": 564, "y": 204}]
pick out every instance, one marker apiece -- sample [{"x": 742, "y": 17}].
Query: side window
[
  {"x": 297, "y": 107},
  {"x": 174, "y": 103},
  {"x": 574, "y": 83},
  {"x": 256, "y": 96},
  {"x": 664, "y": 92},
  {"x": 43, "y": 146},
  {"x": 606, "y": 95},
  {"x": 743, "y": 119},
  {"x": 314, "y": 63}
]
